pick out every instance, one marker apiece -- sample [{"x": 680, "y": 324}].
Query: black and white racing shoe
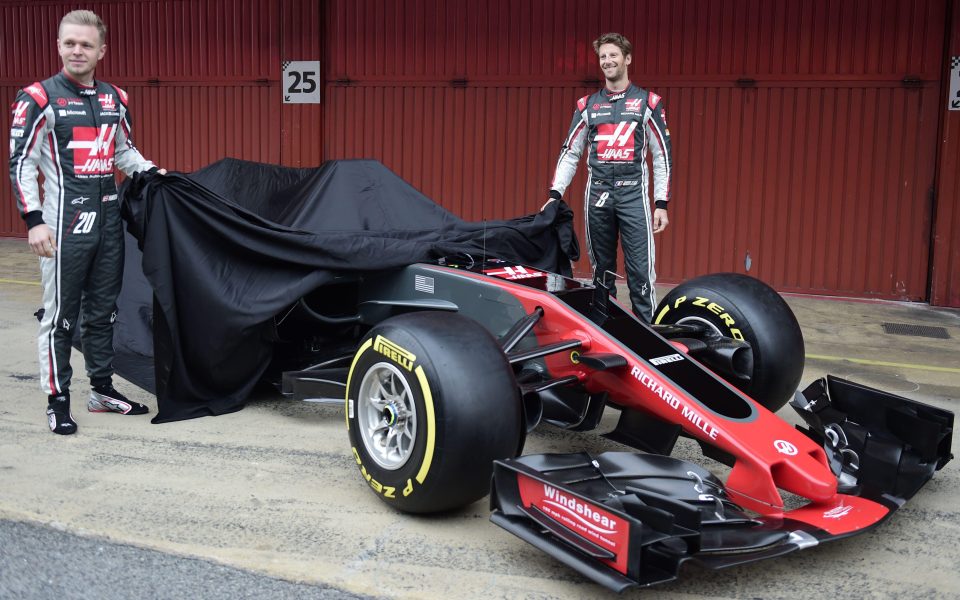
[
  {"x": 104, "y": 398},
  {"x": 58, "y": 414}
]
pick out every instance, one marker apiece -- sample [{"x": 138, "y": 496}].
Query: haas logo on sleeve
[{"x": 19, "y": 114}]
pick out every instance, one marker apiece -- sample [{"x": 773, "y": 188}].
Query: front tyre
[
  {"x": 741, "y": 307},
  {"x": 431, "y": 403}
]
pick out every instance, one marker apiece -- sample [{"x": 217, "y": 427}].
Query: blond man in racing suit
[{"x": 75, "y": 130}]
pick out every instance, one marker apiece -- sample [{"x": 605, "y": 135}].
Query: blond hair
[{"x": 84, "y": 17}]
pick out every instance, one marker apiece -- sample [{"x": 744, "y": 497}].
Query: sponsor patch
[
  {"x": 16, "y": 133},
  {"x": 93, "y": 149},
  {"x": 107, "y": 102},
  {"x": 615, "y": 141},
  {"x": 20, "y": 113}
]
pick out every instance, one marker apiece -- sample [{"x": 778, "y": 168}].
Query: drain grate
[{"x": 926, "y": 331}]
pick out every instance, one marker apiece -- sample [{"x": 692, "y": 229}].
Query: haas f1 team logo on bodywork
[
  {"x": 93, "y": 149},
  {"x": 615, "y": 141}
]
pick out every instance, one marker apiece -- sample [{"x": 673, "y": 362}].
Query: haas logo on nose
[
  {"x": 785, "y": 447},
  {"x": 93, "y": 149}
]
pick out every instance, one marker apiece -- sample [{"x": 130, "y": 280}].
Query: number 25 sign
[{"x": 301, "y": 82}]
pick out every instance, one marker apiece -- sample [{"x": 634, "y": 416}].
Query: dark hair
[{"x": 616, "y": 39}]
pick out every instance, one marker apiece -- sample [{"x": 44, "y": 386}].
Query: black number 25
[{"x": 306, "y": 78}]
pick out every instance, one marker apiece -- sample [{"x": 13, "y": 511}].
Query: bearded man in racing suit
[
  {"x": 620, "y": 123},
  {"x": 75, "y": 130}
]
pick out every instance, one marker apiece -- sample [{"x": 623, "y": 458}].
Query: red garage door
[
  {"x": 203, "y": 77},
  {"x": 804, "y": 132}
]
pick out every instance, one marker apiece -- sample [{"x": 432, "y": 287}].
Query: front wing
[{"x": 625, "y": 519}]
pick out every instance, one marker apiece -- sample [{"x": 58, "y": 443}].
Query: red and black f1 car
[{"x": 448, "y": 366}]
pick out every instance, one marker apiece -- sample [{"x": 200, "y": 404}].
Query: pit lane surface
[{"x": 272, "y": 490}]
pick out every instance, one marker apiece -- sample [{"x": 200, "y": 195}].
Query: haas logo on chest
[
  {"x": 93, "y": 149},
  {"x": 615, "y": 141},
  {"x": 107, "y": 102}
]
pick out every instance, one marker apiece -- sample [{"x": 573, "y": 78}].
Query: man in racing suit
[
  {"x": 74, "y": 130},
  {"x": 620, "y": 123}
]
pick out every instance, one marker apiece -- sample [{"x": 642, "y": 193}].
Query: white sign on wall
[
  {"x": 953, "y": 101},
  {"x": 301, "y": 82}
]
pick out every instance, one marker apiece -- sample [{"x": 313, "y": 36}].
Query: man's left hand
[{"x": 660, "y": 220}]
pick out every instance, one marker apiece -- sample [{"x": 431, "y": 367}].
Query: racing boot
[
  {"x": 58, "y": 414},
  {"x": 104, "y": 398}
]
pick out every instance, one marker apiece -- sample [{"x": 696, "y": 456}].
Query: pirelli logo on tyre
[{"x": 394, "y": 352}]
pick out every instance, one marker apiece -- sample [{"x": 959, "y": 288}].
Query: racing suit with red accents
[
  {"x": 75, "y": 135},
  {"x": 620, "y": 128}
]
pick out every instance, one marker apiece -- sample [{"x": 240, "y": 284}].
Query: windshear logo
[{"x": 93, "y": 149}]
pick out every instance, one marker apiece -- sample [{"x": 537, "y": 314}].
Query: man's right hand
[
  {"x": 41, "y": 240},
  {"x": 546, "y": 204}
]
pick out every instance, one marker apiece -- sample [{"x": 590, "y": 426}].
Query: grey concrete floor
[{"x": 272, "y": 489}]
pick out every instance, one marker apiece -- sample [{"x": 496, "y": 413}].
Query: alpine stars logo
[
  {"x": 20, "y": 114},
  {"x": 93, "y": 149},
  {"x": 615, "y": 142},
  {"x": 79, "y": 200}
]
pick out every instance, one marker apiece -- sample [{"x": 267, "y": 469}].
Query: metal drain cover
[{"x": 926, "y": 331}]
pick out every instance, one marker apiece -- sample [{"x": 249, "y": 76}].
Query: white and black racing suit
[
  {"x": 74, "y": 135},
  {"x": 620, "y": 128}
]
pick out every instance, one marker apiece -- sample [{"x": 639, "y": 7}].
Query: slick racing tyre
[
  {"x": 744, "y": 308},
  {"x": 431, "y": 403}
]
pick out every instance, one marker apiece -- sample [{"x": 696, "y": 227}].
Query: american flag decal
[{"x": 422, "y": 283}]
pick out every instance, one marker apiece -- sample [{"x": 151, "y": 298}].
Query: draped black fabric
[{"x": 226, "y": 248}]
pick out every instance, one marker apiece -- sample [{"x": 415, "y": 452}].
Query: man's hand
[
  {"x": 162, "y": 171},
  {"x": 660, "y": 220},
  {"x": 41, "y": 240},
  {"x": 546, "y": 204}
]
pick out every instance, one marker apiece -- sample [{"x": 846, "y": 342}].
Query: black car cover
[{"x": 228, "y": 247}]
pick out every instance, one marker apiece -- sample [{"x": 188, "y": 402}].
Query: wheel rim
[
  {"x": 700, "y": 320},
  {"x": 387, "y": 416}
]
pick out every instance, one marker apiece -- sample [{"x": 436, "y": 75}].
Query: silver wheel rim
[
  {"x": 702, "y": 321},
  {"x": 387, "y": 416}
]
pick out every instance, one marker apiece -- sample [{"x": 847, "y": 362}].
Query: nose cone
[{"x": 805, "y": 476}]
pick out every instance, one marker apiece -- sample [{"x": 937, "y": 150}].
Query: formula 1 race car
[
  {"x": 344, "y": 281},
  {"x": 447, "y": 367}
]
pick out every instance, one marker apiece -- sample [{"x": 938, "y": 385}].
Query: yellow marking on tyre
[
  {"x": 883, "y": 363},
  {"x": 346, "y": 398},
  {"x": 661, "y": 315},
  {"x": 431, "y": 426}
]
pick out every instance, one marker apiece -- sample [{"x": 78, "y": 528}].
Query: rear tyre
[
  {"x": 747, "y": 309},
  {"x": 431, "y": 403}
]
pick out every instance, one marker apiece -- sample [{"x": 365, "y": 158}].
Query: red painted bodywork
[{"x": 771, "y": 455}]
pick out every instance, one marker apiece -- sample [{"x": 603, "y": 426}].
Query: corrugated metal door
[
  {"x": 203, "y": 76},
  {"x": 804, "y": 132}
]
